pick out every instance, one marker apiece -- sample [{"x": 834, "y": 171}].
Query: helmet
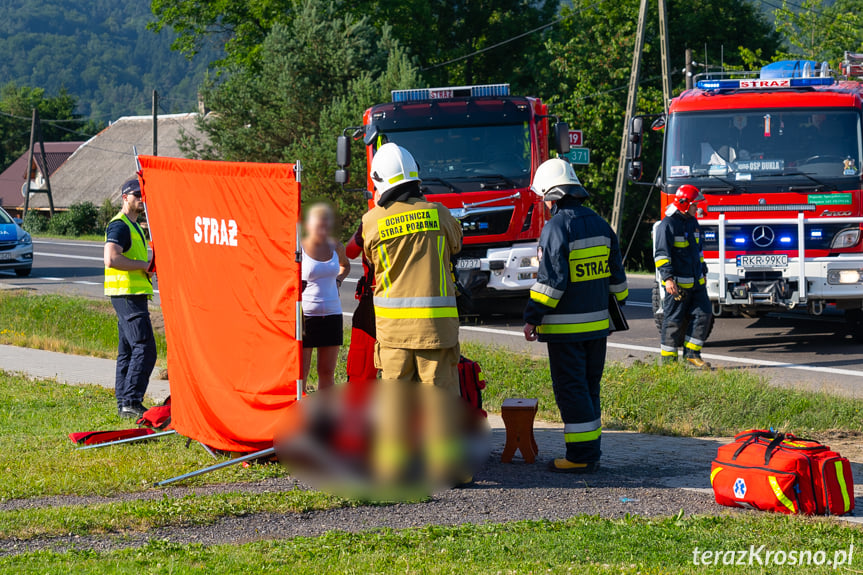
[
  {"x": 555, "y": 178},
  {"x": 393, "y": 166},
  {"x": 686, "y": 196}
]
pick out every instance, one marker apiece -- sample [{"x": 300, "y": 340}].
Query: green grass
[
  {"x": 37, "y": 458},
  {"x": 661, "y": 399},
  {"x": 673, "y": 400},
  {"x": 649, "y": 398},
  {"x": 583, "y": 544},
  {"x": 84, "y": 238},
  {"x": 145, "y": 515},
  {"x": 62, "y": 323}
]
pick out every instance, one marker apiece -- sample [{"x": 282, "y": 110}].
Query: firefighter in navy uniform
[
  {"x": 679, "y": 258},
  {"x": 579, "y": 267}
]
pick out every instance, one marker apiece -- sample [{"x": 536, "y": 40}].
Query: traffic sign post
[{"x": 578, "y": 156}]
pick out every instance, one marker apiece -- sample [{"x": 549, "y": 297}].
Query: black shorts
[{"x": 322, "y": 331}]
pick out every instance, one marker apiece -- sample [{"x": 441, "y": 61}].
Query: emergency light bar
[
  {"x": 423, "y": 94},
  {"x": 763, "y": 84}
]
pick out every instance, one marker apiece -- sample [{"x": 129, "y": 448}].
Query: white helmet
[
  {"x": 393, "y": 166},
  {"x": 555, "y": 178}
]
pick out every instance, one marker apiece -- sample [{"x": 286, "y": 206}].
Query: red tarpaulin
[{"x": 225, "y": 238}]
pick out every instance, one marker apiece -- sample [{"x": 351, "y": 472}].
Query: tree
[
  {"x": 591, "y": 52},
  {"x": 59, "y": 120},
  {"x": 821, "y": 32},
  {"x": 432, "y": 32},
  {"x": 440, "y": 34},
  {"x": 242, "y": 25},
  {"x": 101, "y": 52},
  {"x": 314, "y": 78}
]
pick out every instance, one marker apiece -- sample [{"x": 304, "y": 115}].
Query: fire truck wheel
[
  {"x": 656, "y": 297},
  {"x": 854, "y": 319}
]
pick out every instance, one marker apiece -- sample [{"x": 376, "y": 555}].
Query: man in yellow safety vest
[{"x": 129, "y": 284}]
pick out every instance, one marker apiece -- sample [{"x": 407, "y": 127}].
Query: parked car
[{"x": 16, "y": 246}]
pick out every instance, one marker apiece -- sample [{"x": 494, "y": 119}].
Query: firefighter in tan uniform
[{"x": 410, "y": 242}]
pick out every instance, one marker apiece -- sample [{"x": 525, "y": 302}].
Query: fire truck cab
[
  {"x": 477, "y": 148},
  {"x": 777, "y": 154}
]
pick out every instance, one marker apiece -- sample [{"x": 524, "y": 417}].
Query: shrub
[
  {"x": 106, "y": 211},
  {"x": 34, "y": 222},
  {"x": 82, "y": 218},
  {"x": 60, "y": 224}
]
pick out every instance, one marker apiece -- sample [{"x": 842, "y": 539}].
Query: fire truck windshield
[
  {"x": 743, "y": 146},
  {"x": 469, "y": 158}
]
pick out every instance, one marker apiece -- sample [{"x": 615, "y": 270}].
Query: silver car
[{"x": 16, "y": 246}]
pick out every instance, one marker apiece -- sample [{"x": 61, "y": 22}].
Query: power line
[
  {"x": 841, "y": 17},
  {"x": 512, "y": 39}
]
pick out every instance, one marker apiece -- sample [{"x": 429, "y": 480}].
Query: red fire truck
[
  {"x": 477, "y": 148},
  {"x": 777, "y": 155}
]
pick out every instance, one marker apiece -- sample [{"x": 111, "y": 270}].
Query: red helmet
[{"x": 687, "y": 195}]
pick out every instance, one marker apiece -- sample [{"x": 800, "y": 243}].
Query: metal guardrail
[{"x": 801, "y": 222}]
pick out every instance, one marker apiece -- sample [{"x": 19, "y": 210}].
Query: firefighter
[
  {"x": 409, "y": 242},
  {"x": 679, "y": 258},
  {"x": 579, "y": 269}
]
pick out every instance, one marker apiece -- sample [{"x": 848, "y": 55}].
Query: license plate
[
  {"x": 765, "y": 261},
  {"x": 467, "y": 264},
  {"x": 6, "y": 256}
]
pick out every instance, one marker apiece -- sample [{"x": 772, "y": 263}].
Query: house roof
[
  {"x": 13, "y": 177},
  {"x": 100, "y": 165}
]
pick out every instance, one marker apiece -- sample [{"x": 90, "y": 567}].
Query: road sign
[
  {"x": 576, "y": 139},
  {"x": 578, "y": 156}
]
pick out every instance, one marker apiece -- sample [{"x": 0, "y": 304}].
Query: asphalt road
[{"x": 789, "y": 349}]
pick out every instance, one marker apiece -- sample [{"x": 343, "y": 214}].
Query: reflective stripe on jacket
[
  {"x": 579, "y": 267},
  {"x": 677, "y": 251},
  {"x": 410, "y": 244},
  {"x": 135, "y": 282}
]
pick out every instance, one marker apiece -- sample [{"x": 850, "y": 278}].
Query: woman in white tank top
[{"x": 325, "y": 265}]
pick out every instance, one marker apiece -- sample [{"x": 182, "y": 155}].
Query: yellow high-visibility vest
[{"x": 135, "y": 282}]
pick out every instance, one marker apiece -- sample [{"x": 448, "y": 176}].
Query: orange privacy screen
[{"x": 224, "y": 235}]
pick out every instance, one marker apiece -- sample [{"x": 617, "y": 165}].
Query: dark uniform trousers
[
  {"x": 576, "y": 372},
  {"x": 693, "y": 307},
  {"x": 136, "y": 352}
]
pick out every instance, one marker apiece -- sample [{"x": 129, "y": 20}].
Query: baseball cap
[{"x": 131, "y": 186}]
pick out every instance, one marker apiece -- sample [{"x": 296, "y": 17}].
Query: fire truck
[
  {"x": 477, "y": 148},
  {"x": 777, "y": 155}
]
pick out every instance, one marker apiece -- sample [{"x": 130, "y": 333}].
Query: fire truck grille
[{"x": 486, "y": 222}]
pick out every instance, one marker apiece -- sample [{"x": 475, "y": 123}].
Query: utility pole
[
  {"x": 632, "y": 100},
  {"x": 688, "y": 70},
  {"x": 30, "y": 159},
  {"x": 36, "y": 131},
  {"x": 155, "y": 123},
  {"x": 631, "y": 103},
  {"x": 47, "y": 174},
  {"x": 663, "y": 44}
]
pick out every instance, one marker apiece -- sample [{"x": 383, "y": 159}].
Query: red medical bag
[{"x": 774, "y": 471}]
